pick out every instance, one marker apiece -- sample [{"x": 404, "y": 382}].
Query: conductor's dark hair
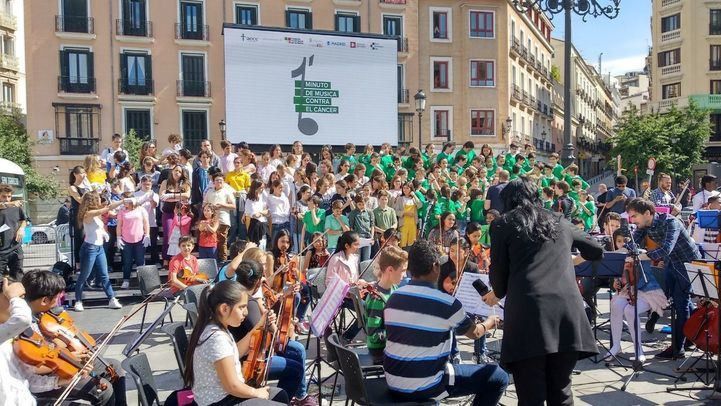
[
  {"x": 524, "y": 211},
  {"x": 422, "y": 257},
  {"x": 640, "y": 205}
]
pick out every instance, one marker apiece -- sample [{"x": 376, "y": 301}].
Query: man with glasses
[
  {"x": 616, "y": 197},
  {"x": 708, "y": 189}
]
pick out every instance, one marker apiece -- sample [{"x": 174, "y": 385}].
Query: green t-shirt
[
  {"x": 311, "y": 228},
  {"x": 558, "y": 171},
  {"x": 569, "y": 179},
  {"x": 485, "y": 235},
  {"x": 332, "y": 224},
  {"x": 546, "y": 180},
  {"x": 477, "y": 214},
  {"x": 351, "y": 160},
  {"x": 385, "y": 218},
  {"x": 445, "y": 156},
  {"x": 387, "y": 160},
  {"x": 365, "y": 159},
  {"x": 469, "y": 156},
  {"x": 587, "y": 215},
  {"x": 510, "y": 160}
]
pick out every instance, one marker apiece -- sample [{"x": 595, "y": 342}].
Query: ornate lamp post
[
  {"x": 507, "y": 127},
  {"x": 420, "y": 98},
  {"x": 221, "y": 125},
  {"x": 584, "y": 8}
]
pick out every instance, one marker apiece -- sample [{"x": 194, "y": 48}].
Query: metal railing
[
  {"x": 133, "y": 28},
  {"x": 516, "y": 93},
  {"x": 76, "y": 84},
  {"x": 193, "y": 88},
  {"x": 84, "y": 25},
  {"x": 9, "y": 62},
  {"x": 393, "y": 1},
  {"x": 482, "y": 131},
  {"x": 403, "y": 96},
  {"x": 196, "y": 32},
  {"x": 442, "y": 133},
  {"x": 7, "y": 19},
  {"x": 402, "y": 44},
  {"x": 145, "y": 88},
  {"x": 78, "y": 146}
]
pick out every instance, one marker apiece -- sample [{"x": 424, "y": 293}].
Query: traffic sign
[{"x": 651, "y": 164}]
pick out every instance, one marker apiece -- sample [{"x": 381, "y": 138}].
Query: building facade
[
  {"x": 12, "y": 61},
  {"x": 686, "y": 59},
  {"x": 634, "y": 90}
]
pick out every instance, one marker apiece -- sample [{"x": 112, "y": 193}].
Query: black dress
[{"x": 544, "y": 309}]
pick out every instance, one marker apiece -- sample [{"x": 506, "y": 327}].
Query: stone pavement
[{"x": 595, "y": 385}]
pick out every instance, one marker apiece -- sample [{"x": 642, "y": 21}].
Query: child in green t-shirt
[
  {"x": 476, "y": 203},
  {"x": 313, "y": 219},
  {"x": 547, "y": 196},
  {"x": 586, "y": 211}
]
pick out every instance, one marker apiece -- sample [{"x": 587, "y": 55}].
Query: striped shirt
[
  {"x": 418, "y": 320},
  {"x": 376, "y": 338}
]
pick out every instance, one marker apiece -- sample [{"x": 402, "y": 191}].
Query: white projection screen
[{"x": 319, "y": 88}]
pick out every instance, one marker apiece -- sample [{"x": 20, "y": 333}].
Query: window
[
  {"x": 139, "y": 121},
  {"x": 346, "y": 22},
  {"x": 74, "y": 17},
  {"x": 440, "y": 24},
  {"x": 246, "y": 14},
  {"x": 671, "y": 57},
  {"x": 714, "y": 24},
  {"x": 393, "y": 26},
  {"x": 299, "y": 19},
  {"x": 482, "y": 122},
  {"x": 8, "y": 44},
  {"x": 76, "y": 71},
  {"x": 671, "y": 23},
  {"x": 77, "y": 127},
  {"x": 671, "y": 91},
  {"x": 8, "y": 93},
  {"x": 133, "y": 22},
  {"x": 715, "y": 127},
  {"x": 482, "y": 74},
  {"x": 136, "y": 75},
  {"x": 193, "y": 70},
  {"x": 715, "y": 58},
  {"x": 191, "y": 25},
  {"x": 441, "y": 120},
  {"x": 440, "y": 75},
  {"x": 481, "y": 24},
  {"x": 402, "y": 93},
  {"x": 405, "y": 127},
  {"x": 195, "y": 129},
  {"x": 715, "y": 87}
]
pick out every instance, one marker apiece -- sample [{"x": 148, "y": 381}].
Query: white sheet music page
[
  {"x": 471, "y": 300},
  {"x": 328, "y": 305}
]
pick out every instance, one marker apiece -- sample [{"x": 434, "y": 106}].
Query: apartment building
[
  {"x": 634, "y": 90},
  {"x": 686, "y": 60},
  {"x": 157, "y": 68},
  {"x": 12, "y": 61}
]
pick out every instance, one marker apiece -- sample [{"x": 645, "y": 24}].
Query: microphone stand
[{"x": 637, "y": 365}]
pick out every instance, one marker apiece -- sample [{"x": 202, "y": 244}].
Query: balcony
[
  {"x": 126, "y": 86},
  {"x": 524, "y": 52},
  {"x": 75, "y": 84},
  {"x": 516, "y": 93},
  {"x": 9, "y": 62},
  {"x": 671, "y": 35},
  {"x": 78, "y": 146},
  {"x": 403, "y": 96},
  {"x": 707, "y": 101},
  {"x": 532, "y": 60},
  {"x": 515, "y": 46},
  {"x": 714, "y": 64},
  {"x": 403, "y": 44},
  {"x": 532, "y": 101},
  {"x": 539, "y": 106},
  {"x": 192, "y": 88},
  {"x": 7, "y": 19},
  {"x": 133, "y": 28},
  {"x": 667, "y": 3},
  {"x": 192, "y": 32},
  {"x": 671, "y": 69},
  {"x": 81, "y": 25},
  {"x": 442, "y": 133},
  {"x": 483, "y": 131},
  {"x": 398, "y": 2},
  {"x": 526, "y": 98}
]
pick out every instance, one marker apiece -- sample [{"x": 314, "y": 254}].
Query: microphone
[{"x": 482, "y": 289}]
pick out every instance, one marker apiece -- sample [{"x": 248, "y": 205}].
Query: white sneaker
[
  {"x": 125, "y": 285},
  {"x": 78, "y": 306},
  {"x": 114, "y": 304}
]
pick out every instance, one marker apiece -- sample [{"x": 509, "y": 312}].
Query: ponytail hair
[{"x": 225, "y": 292}]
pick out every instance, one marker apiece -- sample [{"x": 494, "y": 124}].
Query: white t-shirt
[
  {"x": 255, "y": 206},
  {"x": 279, "y": 208},
  {"x": 147, "y": 205},
  {"x": 220, "y": 196},
  {"x": 214, "y": 345},
  {"x": 701, "y": 198},
  {"x": 226, "y": 162}
]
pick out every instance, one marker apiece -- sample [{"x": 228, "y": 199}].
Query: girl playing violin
[
  {"x": 282, "y": 245},
  {"x": 183, "y": 268},
  {"x": 317, "y": 255},
  {"x": 288, "y": 366},
  {"x": 213, "y": 361},
  {"x": 344, "y": 264}
]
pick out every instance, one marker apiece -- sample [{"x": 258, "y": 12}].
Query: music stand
[
  {"x": 610, "y": 266},
  {"x": 141, "y": 337},
  {"x": 710, "y": 251},
  {"x": 703, "y": 284}
]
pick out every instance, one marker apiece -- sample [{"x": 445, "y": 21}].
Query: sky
[{"x": 624, "y": 41}]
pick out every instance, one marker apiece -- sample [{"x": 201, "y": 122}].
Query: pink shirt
[
  {"x": 341, "y": 267},
  {"x": 132, "y": 230}
]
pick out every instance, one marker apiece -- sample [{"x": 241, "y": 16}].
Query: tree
[
  {"x": 15, "y": 145},
  {"x": 133, "y": 144},
  {"x": 555, "y": 73},
  {"x": 676, "y": 139}
]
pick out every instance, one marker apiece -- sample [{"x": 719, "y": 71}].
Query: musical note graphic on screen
[{"x": 314, "y": 97}]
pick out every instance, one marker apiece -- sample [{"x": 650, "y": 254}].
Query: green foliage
[
  {"x": 15, "y": 145},
  {"x": 555, "y": 73},
  {"x": 676, "y": 139},
  {"x": 132, "y": 143}
]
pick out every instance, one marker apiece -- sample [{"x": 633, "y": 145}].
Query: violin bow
[
  {"x": 284, "y": 267},
  {"x": 460, "y": 273},
  {"x": 370, "y": 265}
]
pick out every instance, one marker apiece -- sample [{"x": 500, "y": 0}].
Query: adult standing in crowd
[
  {"x": 617, "y": 196},
  {"x": 708, "y": 189},
  {"x": 76, "y": 190},
  {"x": 220, "y": 196},
  {"x": 493, "y": 197},
  {"x": 12, "y": 224},
  {"x": 531, "y": 267}
]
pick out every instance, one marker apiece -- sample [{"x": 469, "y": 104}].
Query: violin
[
  {"x": 255, "y": 367},
  {"x": 287, "y": 272},
  {"x": 286, "y": 330},
  {"x": 629, "y": 278},
  {"x": 271, "y": 297},
  {"x": 372, "y": 290},
  {"x": 189, "y": 278},
  {"x": 652, "y": 245},
  {"x": 57, "y": 324}
]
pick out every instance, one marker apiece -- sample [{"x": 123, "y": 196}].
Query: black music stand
[
  {"x": 141, "y": 337},
  {"x": 610, "y": 266},
  {"x": 704, "y": 285}
]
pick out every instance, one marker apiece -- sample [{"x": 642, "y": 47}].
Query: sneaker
[
  {"x": 669, "y": 354},
  {"x": 125, "y": 285},
  {"x": 301, "y": 328},
  {"x": 688, "y": 345},
  {"x": 308, "y": 400},
  {"x": 78, "y": 306},
  {"x": 482, "y": 359},
  {"x": 456, "y": 360},
  {"x": 114, "y": 304},
  {"x": 651, "y": 322}
]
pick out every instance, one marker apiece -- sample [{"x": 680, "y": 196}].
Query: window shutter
[
  {"x": 149, "y": 74},
  {"x": 124, "y": 73},
  {"x": 310, "y": 21},
  {"x": 91, "y": 72},
  {"x": 287, "y": 18},
  {"x": 337, "y": 22},
  {"x": 356, "y": 24}
]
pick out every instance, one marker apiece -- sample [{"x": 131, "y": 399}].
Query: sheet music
[
  {"x": 471, "y": 300},
  {"x": 711, "y": 250},
  {"x": 702, "y": 283},
  {"x": 365, "y": 242},
  {"x": 327, "y": 306}
]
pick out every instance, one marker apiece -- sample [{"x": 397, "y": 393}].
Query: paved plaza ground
[{"x": 595, "y": 385}]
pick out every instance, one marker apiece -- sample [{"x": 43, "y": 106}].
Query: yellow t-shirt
[
  {"x": 97, "y": 176},
  {"x": 238, "y": 180}
]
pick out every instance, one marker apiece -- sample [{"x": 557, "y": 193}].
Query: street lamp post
[
  {"x": 584, "y": 8},
  {"x": 221, "y": 125},
  {"x": 420, "y": 98}
]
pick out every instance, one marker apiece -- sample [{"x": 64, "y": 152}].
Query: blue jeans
[
  {"x": 92, "y": 257},
  {"x": 462, "y": 226},
  {"x": 479, "y": 346},
  {"x": 365, "y": 254},
  {"x": 289, "y": 369},
  {"x": 278, "y": 227},
  {"x": 304, "y": 302},
  {"x": 678, "y": 287},
  {"x": 206, "y": 252},
  {"x": 132, "y": 253}
]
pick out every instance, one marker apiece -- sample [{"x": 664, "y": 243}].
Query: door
[
  {"x": 75, "y": 16},
  {"x": 138, "y": 120},
  {"x": 393, "y": 26},
  {"x": 191, "y": 16},
  {"x": 136, "y": 73},
  {"x": 193, "y": 75},
  {"x": 134, "y": 18},
  {"x": 194, "y": 129}
]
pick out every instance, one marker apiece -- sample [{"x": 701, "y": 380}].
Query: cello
[{"x": 701, "y": 328}]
